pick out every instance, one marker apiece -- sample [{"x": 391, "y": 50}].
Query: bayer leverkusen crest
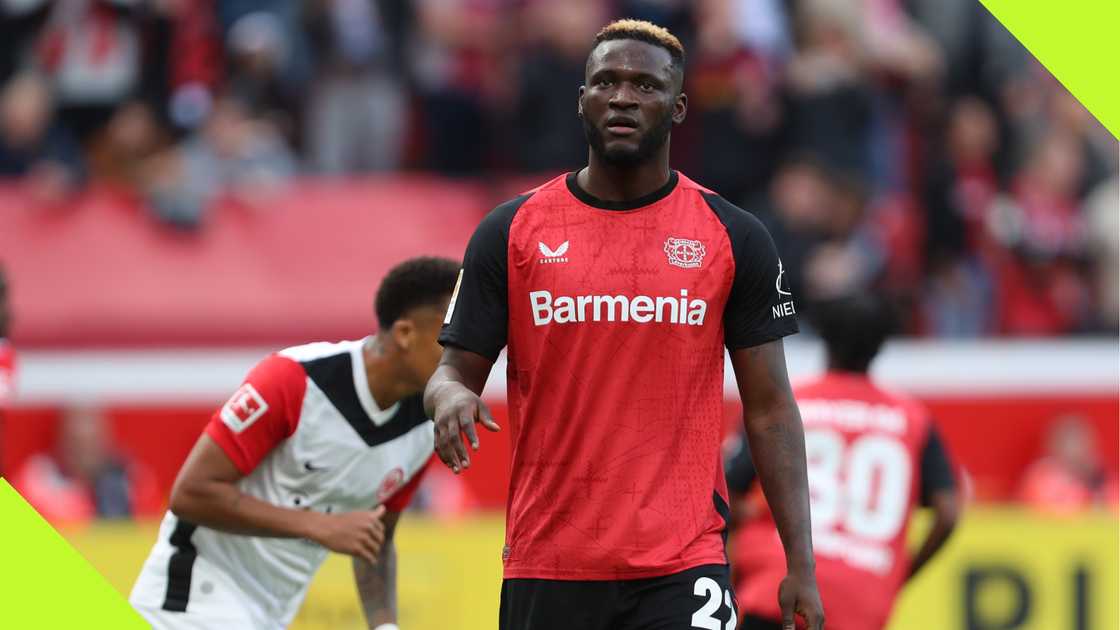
[{"x": 684, "y": 252}]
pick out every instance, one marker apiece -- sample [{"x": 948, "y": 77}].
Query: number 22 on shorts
[{"x": 705, "y": 617}]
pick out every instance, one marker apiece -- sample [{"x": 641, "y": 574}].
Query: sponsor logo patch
[
  {"x": 389, "y": 486},
  {"x": 243, "y": 408}
]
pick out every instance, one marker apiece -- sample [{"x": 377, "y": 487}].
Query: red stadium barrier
[
  {"x": 102, "y": 273},
  {"x": 995, "y": 437}
]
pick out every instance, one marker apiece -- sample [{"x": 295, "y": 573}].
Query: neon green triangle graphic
[
  {"x": 1078, "y": 44},
  {"x": 45, "y": 583}
]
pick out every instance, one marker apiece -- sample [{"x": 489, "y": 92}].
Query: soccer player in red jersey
[
  {"x": 874, "y": 455},
  {"x": 616, "y": 290}
]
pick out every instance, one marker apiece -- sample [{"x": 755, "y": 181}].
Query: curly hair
[
  {"x": 416, "y": 282},
  {"x": 643, "y": 31}
]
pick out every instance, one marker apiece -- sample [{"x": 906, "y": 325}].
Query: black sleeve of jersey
[
  {"x": 478, "y": 315},
  {"x": 760, "y": 307},
  {"x": 739, "y": 467},
  {"x": 937, "y": 472}
]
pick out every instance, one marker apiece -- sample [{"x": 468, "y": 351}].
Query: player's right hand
[
  {"x": 358, "y": 534},
  {"x": 457, "y": 409}
]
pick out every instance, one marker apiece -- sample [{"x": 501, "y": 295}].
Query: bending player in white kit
[{"x": 320, "y": 449}]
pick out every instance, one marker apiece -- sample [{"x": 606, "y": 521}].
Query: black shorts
[
  {"x": 750, "y": 622},
  {"x": 700, "y": 597}
]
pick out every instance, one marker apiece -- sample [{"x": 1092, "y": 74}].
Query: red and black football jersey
[
  {"x": 873, "y": 456},
  {"x": 616, "y": 316}
]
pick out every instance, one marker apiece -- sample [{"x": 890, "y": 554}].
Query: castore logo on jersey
[{"x": 552, "y": 256}]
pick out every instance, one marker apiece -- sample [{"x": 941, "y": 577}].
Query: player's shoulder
[
  {"x": 317, "y": 350},
  {"x": 737, "y": 220},
  {"x": 496, "y": 224}
]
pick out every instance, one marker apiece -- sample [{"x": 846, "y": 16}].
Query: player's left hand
[{"x": 798, "y": 594}]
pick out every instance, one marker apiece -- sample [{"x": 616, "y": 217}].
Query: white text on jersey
[{"x": 640, "y": 309}]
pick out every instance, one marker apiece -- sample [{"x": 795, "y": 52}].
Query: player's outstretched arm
[
  {"x": 377, "y": 582},
  {"x": 206, "y": 493},
  {"x": 452, "y": 400},
  {"x": 777, "y": 442}
]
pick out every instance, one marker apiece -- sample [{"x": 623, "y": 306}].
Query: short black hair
[
  {"x": 643, "y": 31},
  {"x": 416, "y": 282},
  {"x": 854, "y": 328}
]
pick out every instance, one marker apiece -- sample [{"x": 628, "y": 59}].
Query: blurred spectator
[
  {"x": 258, "y": 55},
  {"x": 1070, "y": 475},
  {"x": 1102, "y": 213},
  {"x": 20, "y": 21},
  {"x": 234, "y": 153},
  {"x": 850, "y": 259},
  {"x": 959, "y": 195},
  {"x": 460, "y": 74},
  {"x": 963, "y": 182},
  {"x": 735, "y": 112},
  {"x": 763, "y": 26},
  {"x": 120, "y": 152},
  {"x": 31, "y": 145},
  {"x": 100, "y": 54},
  {"x": 1042, "y": 287},
  {"x": 83, "y": 479},
  {"x": 549, "y": 137},
  {"x": 7, "y": 355},
  {"x": 830, "y": 93},
  {"x": 91, "y": 49},
  {"x": 980, "y": 55},
  {"x": 356, "y": 116},
  {"x": 797, "y": 216}
]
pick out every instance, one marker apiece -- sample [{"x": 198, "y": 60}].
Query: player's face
[
  {"x": 630, "y": 101},
  {"x": 422, "y": 350}
]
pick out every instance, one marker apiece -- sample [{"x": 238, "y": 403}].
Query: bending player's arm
[
  {"x": 263, "y": 413},
  {"x": 777, "y": 443},
  {"x": 206, "y": 493},
  {"x": 377, "y": 582},
  {"x": 473, "y": 335},
  {"x": 939, "y": 492}
]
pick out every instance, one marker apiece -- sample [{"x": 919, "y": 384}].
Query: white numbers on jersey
[
  {"x": 705, "y": 617},
  {"x": 864, "y": 486}
]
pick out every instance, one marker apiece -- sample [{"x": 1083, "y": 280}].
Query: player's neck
[
  {"x": 624, "y": 183},
  {"x": 386, "y": 383}
]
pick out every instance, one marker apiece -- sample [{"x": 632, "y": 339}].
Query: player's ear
[
  {"x": 579, "y": 102},
  {"x": 404, "y": 333},
  {"x": 680, "y": 108}
]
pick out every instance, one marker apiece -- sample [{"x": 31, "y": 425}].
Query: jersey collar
[
  {"x": 632, "y": 204},
  {"x": 361, "y": 385}
]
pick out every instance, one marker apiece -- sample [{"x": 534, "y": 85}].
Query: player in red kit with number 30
[
  {"x": 616, "y": 290},
  {"x": 874, "y": 456}
]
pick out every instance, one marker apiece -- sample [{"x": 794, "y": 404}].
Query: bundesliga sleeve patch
[
  {"x": 454, "y": 296},
  {"x": 244, "y": 408}
]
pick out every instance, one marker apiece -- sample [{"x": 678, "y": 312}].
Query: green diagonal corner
[
  {"x": 1077, "y": 42},
  {"x": 45, "y": 583}
]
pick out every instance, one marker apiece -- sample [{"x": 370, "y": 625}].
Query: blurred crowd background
[
  {"x": 188, "y": 184},
  {"x": 905, "y": 146}
]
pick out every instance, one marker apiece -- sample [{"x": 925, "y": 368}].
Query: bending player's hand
[
  {"x": 359, "y": 534},
  {"x": 798, "y": 594},
  {"x": 457, "y": 409}
]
